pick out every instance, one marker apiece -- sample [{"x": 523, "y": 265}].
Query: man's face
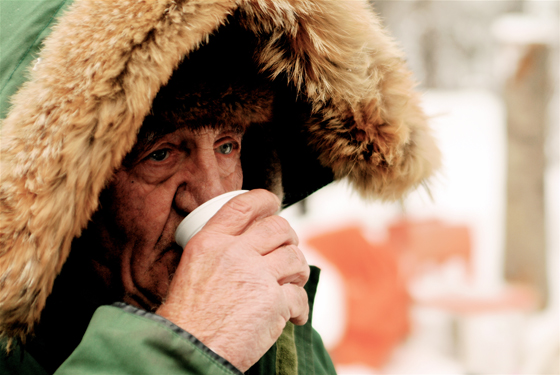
[{"x": 147, "y": 199}]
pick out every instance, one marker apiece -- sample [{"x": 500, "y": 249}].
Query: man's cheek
[
  {"x": 130, "y": 208},
  {"x": 237, "y": 177}
]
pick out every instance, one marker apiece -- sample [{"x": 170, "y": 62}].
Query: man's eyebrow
[
  {"x": 224, "y": 128},
  {"x": 238, "y": 130}
]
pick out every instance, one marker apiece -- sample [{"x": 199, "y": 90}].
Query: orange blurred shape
[
  {"x": 423, "y": 244},
  {"x": 376, "y": 297},
  {"x": 511, "y": 297},
  {"x": 377, "y": 277}
]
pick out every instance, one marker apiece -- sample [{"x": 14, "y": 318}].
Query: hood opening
[{"x": 222, "y": 83}]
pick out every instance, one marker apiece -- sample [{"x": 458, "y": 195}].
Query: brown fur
[{"x": 71, "y": 125}]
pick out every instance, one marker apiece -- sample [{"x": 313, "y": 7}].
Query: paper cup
[{"x": 194, "y": 221}]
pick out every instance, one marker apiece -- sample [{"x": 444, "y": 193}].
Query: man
[{"x": 98, "y": 171}]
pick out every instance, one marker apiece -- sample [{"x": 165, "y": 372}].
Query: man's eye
[
  {"x": 225, "y": 148},
  {"x": 159, "y": 155}
]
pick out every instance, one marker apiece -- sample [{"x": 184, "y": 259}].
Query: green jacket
[
  {"x": 78, "y": 78},
  {"x": 121, "y": 339}
]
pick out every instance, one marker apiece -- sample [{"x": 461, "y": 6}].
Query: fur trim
[{"x": 72, "y": 123}]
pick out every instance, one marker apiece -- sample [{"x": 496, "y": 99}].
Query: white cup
[{"x": 194, "y": 221}]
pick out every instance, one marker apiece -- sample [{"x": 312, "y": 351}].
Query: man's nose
[{"x": 202, "y": 182}]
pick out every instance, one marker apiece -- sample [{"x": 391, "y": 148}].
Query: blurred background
[{"x": 463, "y": 279}]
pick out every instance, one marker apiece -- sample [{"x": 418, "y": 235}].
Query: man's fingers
[
  {"x": 288, "y": 265},
  {"x": 241, "y": 211},
  {"x": 297, "y": 303},
  {"x": 270, "y": 233}
]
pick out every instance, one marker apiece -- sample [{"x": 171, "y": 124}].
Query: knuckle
[
  {"x": 293, "y": 253},
  {"x": 267, "y": 195},
  {"x": 278, "y": 224},
  {"x": 239, "y": 207},
  {"x": 306, "y": 272},
  {"x": 300, "y": 309},
  {"x": 298, "y": 256},
  {"x": 304, "y": 298},
  {"x": 302, "y": 278},
  {"x": 301, "y": 319}
]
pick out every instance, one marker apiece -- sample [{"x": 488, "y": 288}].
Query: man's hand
[{"x": 240, "y": 279}]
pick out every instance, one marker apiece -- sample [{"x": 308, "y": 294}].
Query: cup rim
[{"x": 196, "y": 219}]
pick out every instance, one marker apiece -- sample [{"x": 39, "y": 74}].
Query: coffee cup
[{"x": 194, "y": 221}]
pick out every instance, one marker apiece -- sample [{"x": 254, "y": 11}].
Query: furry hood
[{"x": 78, "y": 115}]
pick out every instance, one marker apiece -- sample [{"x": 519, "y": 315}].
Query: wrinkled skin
[{"x": 238, "y": 281}]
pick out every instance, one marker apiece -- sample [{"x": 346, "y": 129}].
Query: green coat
[
  {"x": 23, "y": 27},
  {"x": 122, "y": 339}
]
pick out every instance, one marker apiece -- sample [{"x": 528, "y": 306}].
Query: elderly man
[{"x": 136, "y": 113}]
